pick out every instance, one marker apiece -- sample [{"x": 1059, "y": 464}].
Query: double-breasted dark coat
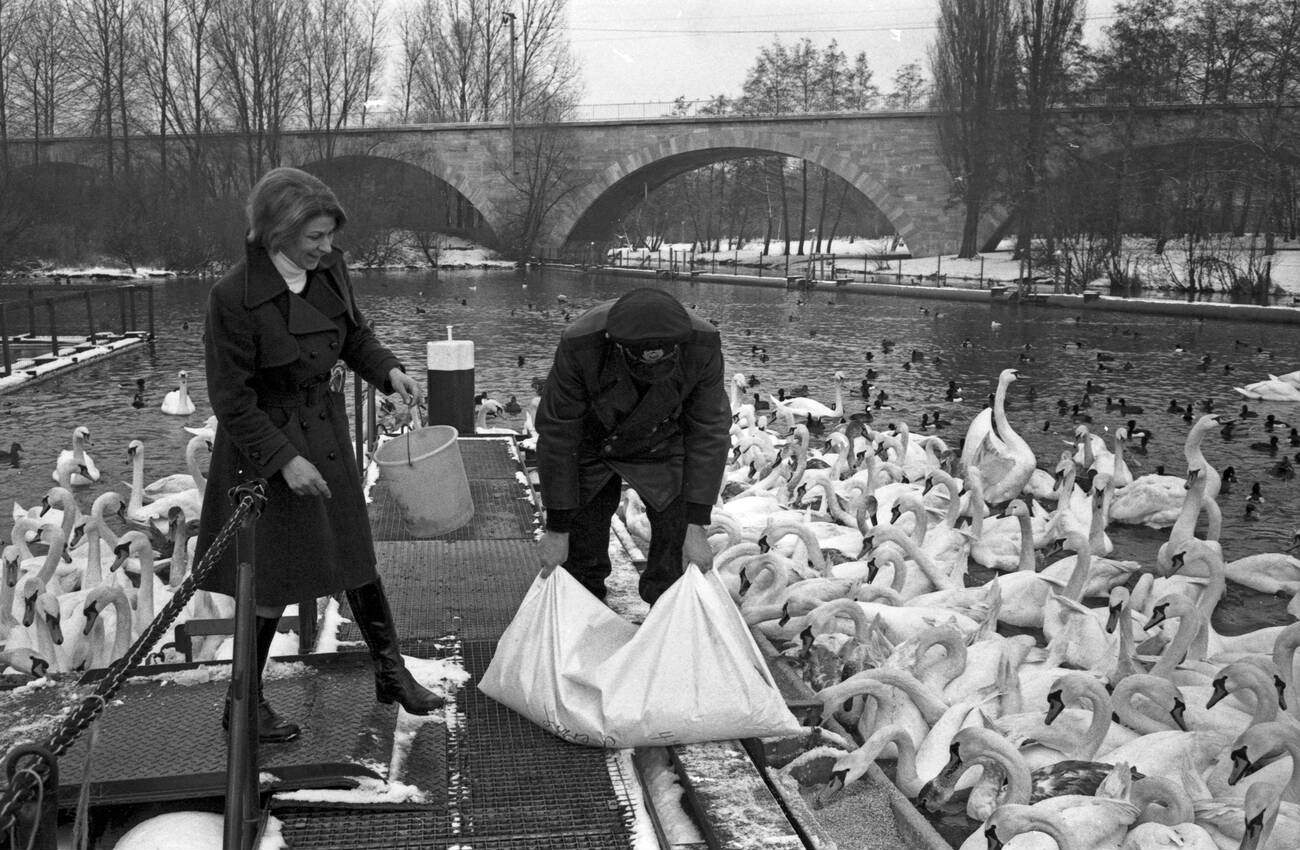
[
  {"x": 667, "y": 440},
  {"x": 269, "y": 355}
]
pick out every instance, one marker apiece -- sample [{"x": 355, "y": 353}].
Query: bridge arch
[
  {"x": 387, "y": 192},
  {"x": 617, "y": 187}
]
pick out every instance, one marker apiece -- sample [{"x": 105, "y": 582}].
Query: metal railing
[{"x": 52, "y": 322}]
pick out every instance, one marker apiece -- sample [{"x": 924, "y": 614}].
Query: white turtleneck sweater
[{"x": 294, "y": 275}]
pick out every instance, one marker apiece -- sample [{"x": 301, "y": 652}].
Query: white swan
[
  {"x": 802, "y": 408},
  {"x": 177, "y": 402},
  {"x": 178, "y": 482},
  {"x": 84, "y": 470},
  {"x": 155, "y": 513},
  {"x": 1073, "y": 823},
  {"x": 1273, "y": 389},
  {"x": 1002, "y": 456},
  {"x": 1151, "y": 500},
  {"x": 1267, "y": 572}
]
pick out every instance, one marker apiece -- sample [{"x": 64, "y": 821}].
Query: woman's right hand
[{"x": 303, "y": 478}]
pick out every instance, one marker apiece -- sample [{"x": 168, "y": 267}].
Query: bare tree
[
  {"x": 338, "y": 65},
  {"x": 44, "y": 70},
  {"x": 254, "y": 44},
  {"x": 968, "y": 62},
  {"x": 910, "y": 88},
  {"x": 15, "y": 17},
  {"x": 410, "y": 59},
  {"x": 103, "y": 51},
  {"x": 1048, "y": 34}
]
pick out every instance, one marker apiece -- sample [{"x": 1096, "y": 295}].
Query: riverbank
[{"x": 995, "y": 292}]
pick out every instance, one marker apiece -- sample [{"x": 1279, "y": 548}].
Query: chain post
[{"x": 242, "y": 809}]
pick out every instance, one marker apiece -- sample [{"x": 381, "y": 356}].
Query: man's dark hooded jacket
[{"x": 667, "y": 439}]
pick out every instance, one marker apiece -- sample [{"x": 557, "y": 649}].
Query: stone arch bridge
[{"x": 891, "y": 158}]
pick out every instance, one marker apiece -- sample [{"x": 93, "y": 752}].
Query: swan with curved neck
[
  {"x": 1075, "y": 733},
  {"x": 1003, "y": 457},
  {"x": 1185, "y": 526},
  {"x": 83, "y": 469},
  {"x": 1086, "y": 824},
  {"x": 178, "y": 482},
  {"x": 851, "y": 767}
]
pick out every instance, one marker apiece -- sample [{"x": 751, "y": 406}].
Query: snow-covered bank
[{"x": 885, "y": 256}]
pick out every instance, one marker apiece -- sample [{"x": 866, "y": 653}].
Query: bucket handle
[{"x": 417, "y": 419}]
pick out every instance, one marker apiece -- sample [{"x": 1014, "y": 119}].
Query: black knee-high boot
[
  {"x": 393, "y": 682},
  {"x": 271, "y": 728}
]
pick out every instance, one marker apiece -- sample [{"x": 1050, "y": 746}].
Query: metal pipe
[
  {"x": 241, "y": 813},
  {"x": 358, "y": 400},
  {"x": 372, "y": 420}
]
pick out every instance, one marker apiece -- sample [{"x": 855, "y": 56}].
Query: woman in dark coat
[{"x": 280, "y": 327}]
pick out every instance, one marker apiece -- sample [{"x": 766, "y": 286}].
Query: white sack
[{"x": 690, "y": 673}]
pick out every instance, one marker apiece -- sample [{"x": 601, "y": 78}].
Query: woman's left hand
[{"x": 405, "y": 386}]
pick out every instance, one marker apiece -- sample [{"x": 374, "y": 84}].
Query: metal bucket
[{"x": 424, "y": 472}]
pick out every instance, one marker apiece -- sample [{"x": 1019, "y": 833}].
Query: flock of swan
[
  {"x": 1085, "y": 704},
  {"x": 75, "y": 592}
]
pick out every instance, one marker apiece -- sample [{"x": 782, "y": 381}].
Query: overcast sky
[{"x": 657, "y": 50}]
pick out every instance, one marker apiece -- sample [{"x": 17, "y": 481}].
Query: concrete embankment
[{"x": 998, "y": 294}]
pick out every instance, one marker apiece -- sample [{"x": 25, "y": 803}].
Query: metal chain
[{"x": 24, "y": 786}]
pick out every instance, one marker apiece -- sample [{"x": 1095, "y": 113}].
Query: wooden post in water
[
  {"x": 90, "y": 316},
  {"x": 121, "y": 306},
  {"x": 131, "y": 296},
  {"x": 149, "y": 304},
  {"x": 4, "y": 339},
  {"x": 31, "y": 311},
  {"x": 54, "y": 327}
]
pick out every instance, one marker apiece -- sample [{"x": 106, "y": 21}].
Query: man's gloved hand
[
  {"x": 696, "y": 549},
  {"x": 552, "y": 550}
]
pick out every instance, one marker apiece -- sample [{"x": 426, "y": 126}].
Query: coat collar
[
  {"x": 619, "y": 392},
  {"x": 262, "y": 281}
]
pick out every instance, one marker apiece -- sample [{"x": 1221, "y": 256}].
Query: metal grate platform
[
  {"x": 138, "y": 757},
  {"x": 503, "y": 509},
  {"x": 512, "y": 786},
  {"x": 430, "y": 583},
  {"x": 489, "y": 457}
]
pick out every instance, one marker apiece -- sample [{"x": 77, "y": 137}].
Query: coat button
[
  {"x": 256, "y": 454},
  {"x": 323, "y": 414},
  {"x": 312, "y": 355},
  {"x": 334, "y": 344},
  {"x": 304, "y": 424},
  {"x": 332, "y": 456}
]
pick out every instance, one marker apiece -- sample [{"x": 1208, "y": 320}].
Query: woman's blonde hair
[{"x": 282, "y": 203}]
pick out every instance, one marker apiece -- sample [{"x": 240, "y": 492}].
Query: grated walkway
[{"x": 508, "y": 783}]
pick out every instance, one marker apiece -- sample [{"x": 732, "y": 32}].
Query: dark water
[{"x": 806, "y": 336}]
